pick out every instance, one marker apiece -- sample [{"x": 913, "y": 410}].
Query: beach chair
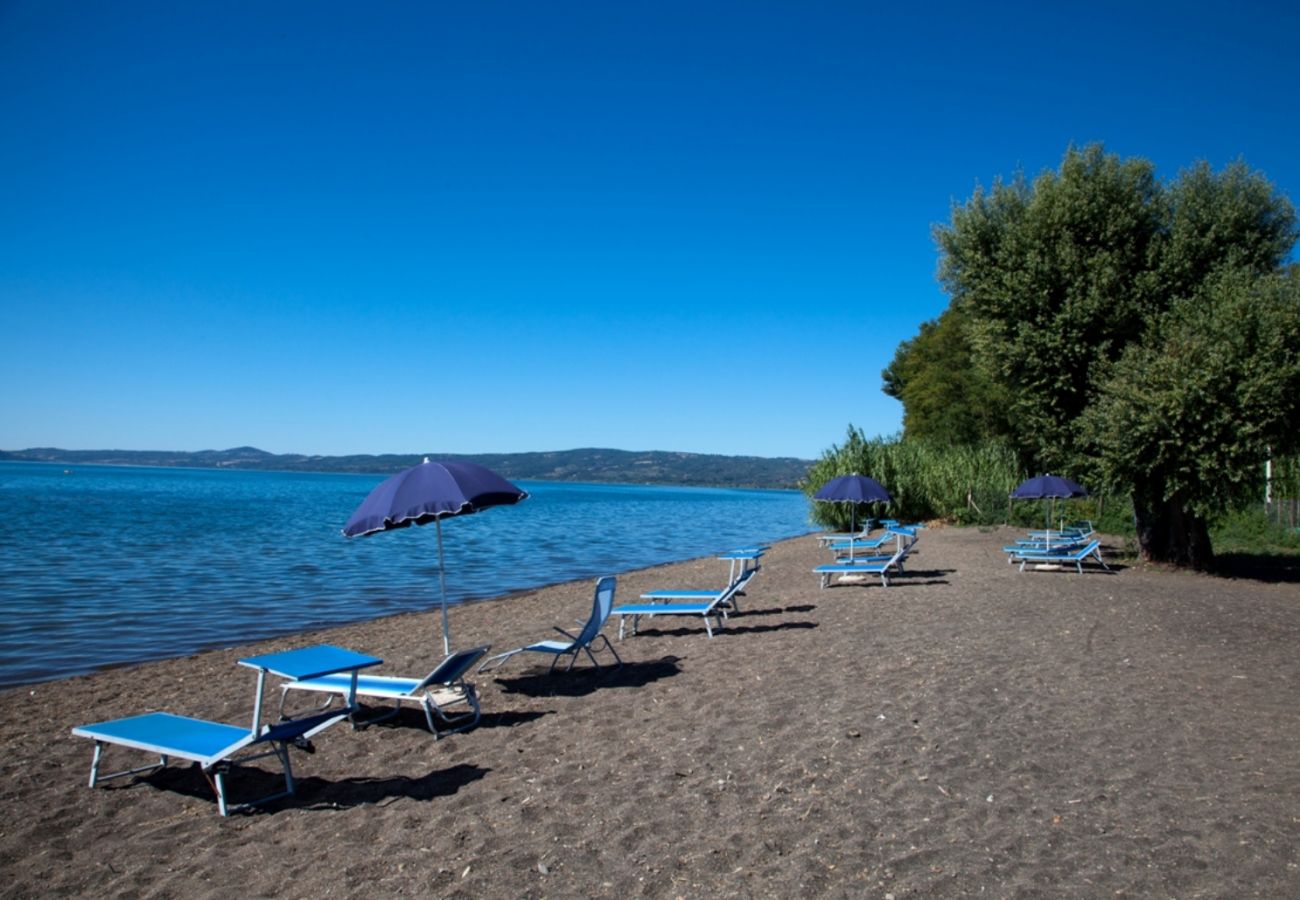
[
  {"x": 685, "y": 603},
  {"x": 445, "y": 687},
  {"x": 831, "y": 537},
  {"x": 213, "y": 745},
  {"x": 901, "y": 535},
  {"x": 872, "y": 565},
  {"x": 1058, "y": 557},
  {"x": 875, "y": 543},
  {"x": 579, "y": 643},
  {"x": 1065, "y": 545}
]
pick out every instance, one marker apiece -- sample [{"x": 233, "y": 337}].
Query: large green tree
[
  {"x": 1187, "y": 416},
  {"x": 1076, "y": 287}
]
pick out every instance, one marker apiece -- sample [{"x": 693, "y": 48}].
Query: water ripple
[{"x": 111, "y": 565}]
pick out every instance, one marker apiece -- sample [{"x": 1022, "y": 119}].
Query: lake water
[{"x": 102, "y": 565}]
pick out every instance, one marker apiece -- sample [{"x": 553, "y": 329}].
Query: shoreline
[
  {"x": 967, "y": 729},
  {"x": 279, "y": 635}
]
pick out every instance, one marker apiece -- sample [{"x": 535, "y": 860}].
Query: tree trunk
[{"x": 1168, "y": 533}]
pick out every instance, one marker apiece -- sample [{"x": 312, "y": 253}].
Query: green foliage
[
  {"x": 1055, "y": 279},
  {"x": 1203, "y": 399},
  {"x": 1250, "y": 531},
  {"x": 1141, "y": 332},
  {"x": 946, "y": 398},
  {"x": 961, "y": 483}
]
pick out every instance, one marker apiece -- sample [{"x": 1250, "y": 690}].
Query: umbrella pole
[
  {"x": 442, "y": 583},
  {"x": 853, "y": 528}
]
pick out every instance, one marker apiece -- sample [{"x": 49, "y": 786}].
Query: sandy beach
[{"x": 967, "y": 730}]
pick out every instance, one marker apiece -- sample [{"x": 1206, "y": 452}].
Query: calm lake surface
[{"x": 101, "y": 565}]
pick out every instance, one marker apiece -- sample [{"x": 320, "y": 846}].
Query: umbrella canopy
[
  {"x": 1048, "y": 487},
  {"x": 431, "y": 492},
  {"x": 853, "y": 489}
]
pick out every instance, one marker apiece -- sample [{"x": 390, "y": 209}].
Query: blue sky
[{"x": 477, "y": 227}]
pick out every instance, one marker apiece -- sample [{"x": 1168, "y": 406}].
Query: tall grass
[{"x": 967, "y": 485}]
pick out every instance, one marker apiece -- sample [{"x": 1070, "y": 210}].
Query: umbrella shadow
[
  {"x": 587, "y": 680},
  {"x": 244, "y": 782}
]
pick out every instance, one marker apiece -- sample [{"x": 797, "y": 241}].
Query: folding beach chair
[
  {"x": 213, "y": 745},
  {"x": 685, "y": 603},
  {"x": 579, "y": 643},
  {"x": 442, "y": 688}
]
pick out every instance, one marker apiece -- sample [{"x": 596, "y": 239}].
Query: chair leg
[
  {"x": 611, "y": 649},
  {"x": 96, "y": 778},
  {"x": 218, "y": 781},
  {"x": 463, "y": 722}
]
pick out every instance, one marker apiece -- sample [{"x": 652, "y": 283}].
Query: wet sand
[{"x": 967, "y": 730}]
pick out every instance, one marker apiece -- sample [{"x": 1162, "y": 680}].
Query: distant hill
[{"x": 588, "y": 464}]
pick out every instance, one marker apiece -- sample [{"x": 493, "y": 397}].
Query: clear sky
[{"x": 505, "y": 226}]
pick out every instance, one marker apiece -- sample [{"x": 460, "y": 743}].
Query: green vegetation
[
  {"x": 961, "y": 483},
  {"x": 1140, "y": 336},
  {"x": 946, "y": 398}
]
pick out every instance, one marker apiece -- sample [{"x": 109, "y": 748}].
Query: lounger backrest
[
  {"x": 1090, "y": 548},
  {"x": 733, "y": 589},
  {"x": 601, "y": 604},
  {"x": 453, "y": 668}
]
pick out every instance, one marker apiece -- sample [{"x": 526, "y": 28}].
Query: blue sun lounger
[
  {"x": 1051, "y": 557},
  {"x": 871, "y": 565},
  {"x": 212, "y": 745},
  {"x": 875, "y": 543},
  {"x": 442, "y": 688},
  {"x": 1065, "y": 545},
  {"x": 216, "y": 745},
  {"x": 684, "y": 603},
  {"x": 830, "y": 537}
]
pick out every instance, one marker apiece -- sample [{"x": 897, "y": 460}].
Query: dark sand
[{"x": 968, "y": 730}]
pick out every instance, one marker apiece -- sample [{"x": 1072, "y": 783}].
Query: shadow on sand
[
  {"x": 1271, "y": 568},
  {"x": 584, "y": 680},
  {"x": 413, "y": 718},
  {"x": 243, "y": 782}
]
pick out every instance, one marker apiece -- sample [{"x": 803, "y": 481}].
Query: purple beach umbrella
[
  {"x": 431, "y": 492},
  {"x": 853, "y": 489},
  {"x": 1048, "y": 487}
]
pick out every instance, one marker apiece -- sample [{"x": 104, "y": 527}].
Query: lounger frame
[
  {"x": 214, "y": 758},
  {"x": 717, "y": 604},
  {"x": 441, "y": 689},
  {"x": 1077, "y": 556}
]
